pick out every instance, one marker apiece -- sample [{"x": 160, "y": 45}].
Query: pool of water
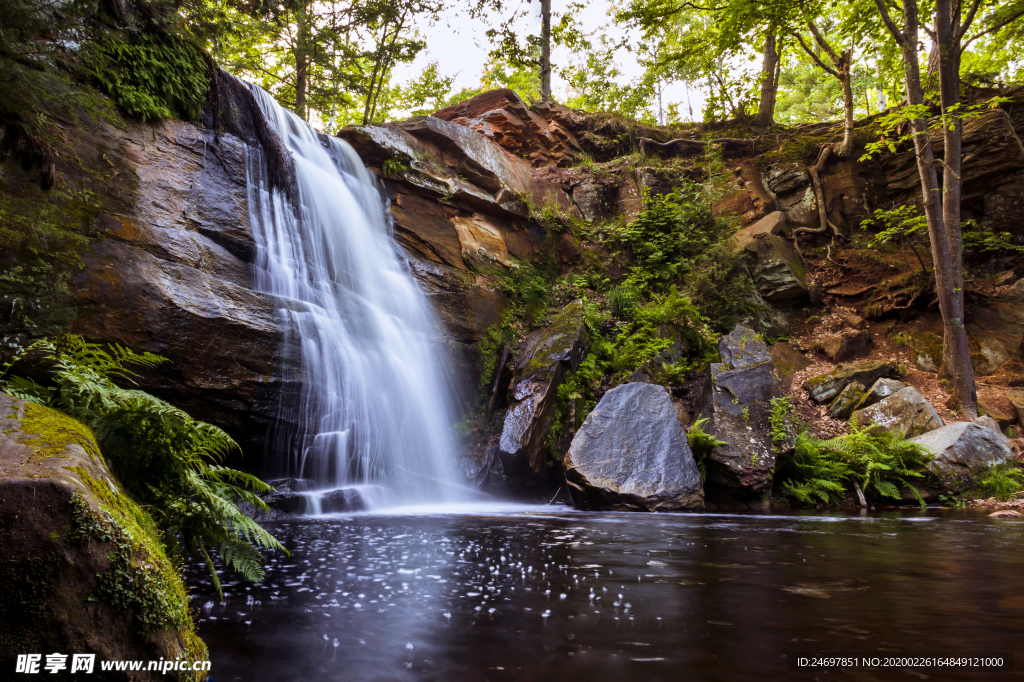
[{"x": 547, "y": 593}]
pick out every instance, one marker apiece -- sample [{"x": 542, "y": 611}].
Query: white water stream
[{"x": 375, "y": 410}]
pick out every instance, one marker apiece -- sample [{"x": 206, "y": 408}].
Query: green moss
[
  {"x": 53, "y": 431},
  {"x": 927, "y": 345},
  {"x": 141, "y": 578}
]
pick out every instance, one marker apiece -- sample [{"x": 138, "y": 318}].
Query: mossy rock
[{"x": 83, "y": 568}]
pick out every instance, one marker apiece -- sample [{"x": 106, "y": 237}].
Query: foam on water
[{"x": 375, "y": 405}]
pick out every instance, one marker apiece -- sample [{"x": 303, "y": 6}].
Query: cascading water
[{"x": 376, "y": 406}]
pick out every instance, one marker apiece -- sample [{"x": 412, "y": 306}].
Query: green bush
[
  {"x": 677, "y": 241},
  {"x": 167, "y": 462},
  {"x": 883, "y": 463},
  {"x": 151, "y": 75},
  {"x": 1002, "y": 482}
]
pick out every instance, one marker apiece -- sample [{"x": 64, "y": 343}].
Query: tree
[
  {"x": 942, "y": 204},
  {"x": 841, "y": 70}
]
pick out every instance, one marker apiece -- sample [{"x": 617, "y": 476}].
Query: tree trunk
[
  {"x": 846, "y": 79},
  {"x": 956, "y": 352},
  {"x": 769, "y": 81},
  {"x": 950, "y": 300},
  {"x": 301, "y": 62},
  {"x": 545, "y": 49}
]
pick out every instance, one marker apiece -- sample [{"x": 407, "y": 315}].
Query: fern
[
  {"x": 166, "y": 461},
  {"x": 702, "y": 443},
  {"x": 883, "y": 463}
]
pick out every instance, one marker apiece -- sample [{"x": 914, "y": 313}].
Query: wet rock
[
  {"x": 880, "y": 390},
  {"x": 905, "y": 411},
  {"x": 846, "y": 344},
  {"x": 287, "y": 503},
  {"x": 741, "y": 388},
  {"x": 632, "y": 454},
  {"x": 291, "y": 485},
  {"x": 342, "y": 500},
  {"x": 844, "y": 404},
  {"x": 788, "y": 361},
  {"x": 549, "y": 354},
  {"x": 772, "y": 224},
  {"x": 962, "y": 451},
  {"x": 778, "y": 270},
  {"x": 66, "y": 527},
  {"x": 825, "y": 387}
]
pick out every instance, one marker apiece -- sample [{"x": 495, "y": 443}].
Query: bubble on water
[
  {"x": 409, "y": 646},
  {"x": 447, "y": 615},
  {"x": 562, "y": 596}
]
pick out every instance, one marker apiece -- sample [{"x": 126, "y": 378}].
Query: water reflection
[{"x": 550, "y": 594}]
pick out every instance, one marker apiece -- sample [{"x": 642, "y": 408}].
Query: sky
[{"x": 459, "y": 45}]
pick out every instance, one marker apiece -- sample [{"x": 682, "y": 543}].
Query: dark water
[{"x": 550, "y": 594}]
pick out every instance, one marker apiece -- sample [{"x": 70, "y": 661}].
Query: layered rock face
[
  {"x": 82, "y": 567},
  {"x": 549, "y": 354},
  {"x": 631, "y": 454},
  {"x": 741, "y": 387}
]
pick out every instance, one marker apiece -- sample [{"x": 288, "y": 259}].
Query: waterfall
[{"x": 376, "y": 406}]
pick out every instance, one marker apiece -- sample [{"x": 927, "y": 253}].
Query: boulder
[
  {"x": 852, "y": 321},
  {"x": 82, "y": 567},
  {"x": 741, "y": 389},
  {"x": 880, "y": 390},
  {"x": 905, "y": 411},
  {"x": 825, "y": 387},
  {"x": 772, "y": 224},
  {"x": 962, "y": 450},
  {"x": 1016, "y": 398},
  {"x": 342, "y": 500},
  {"x": 788, "y": 361},
  {"x": 549, "y": 354},
  {"x": 844, "y": 404},
  {"x": 846, "y": 344},
  {"x": 741, "y": 348},
  {"x": 778, "y": 270},
  {"x": 632, "y": 454}
]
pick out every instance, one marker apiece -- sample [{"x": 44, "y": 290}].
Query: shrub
[
  {"x": 884, "y": 463},
  {"x": 1002, "y": 482}
]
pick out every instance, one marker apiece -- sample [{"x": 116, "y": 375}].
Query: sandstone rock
[
  {"x": 852, "y": 321},
  {"x": 1016, "y": 398},
  {"x": 905, "y": 411},
  {"x": 549, "y": 354},
  {"x": 788, "y": 361},
  {"x": 741, "y": 388},
  {"x": 962, "y": 451},
  {"x": 997, "y": 406},
  {"x": 1005, "y": 513},
  {"x": 82, "y": 569},
  {"x": 784, "y": 179},
  {"x": 880, "y": 390},
  {"x": 778, "y": 271},
  {"x": 846, "y": 344},
  {"x": 773, "y": 224},
  {"x": 632, "y": 454},
  {"x": 844, "y": 404},
  {"x": 827, "y": 386},
  {"x": 595, "y": 199}
]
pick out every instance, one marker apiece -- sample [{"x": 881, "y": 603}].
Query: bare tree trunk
[
  {"x": 545, "y": 49},
  {"x": 846, "y": 78},
  {"x": 769, "y": 81},
  {"x": 301, "y": 62},
  {"x": 945, "y": 258},
  {"x": 956, "y": 351}
]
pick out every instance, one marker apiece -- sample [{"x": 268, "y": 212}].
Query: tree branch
[
  {"x": 968, "y": 20},
  {"x": 813, "y": 56},
  {"x": 823, "y": 44},
  {"x": 897, "y": 34},
  {"x": 993, "y": 29}
]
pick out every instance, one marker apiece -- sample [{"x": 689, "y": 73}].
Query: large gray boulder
[
  {"x": 631, "y": 454},
  {"x": 880, "y": 390},
  {"x": 741, "y": 388},
  {"x": 905, "y": 411},
  {"x": 550, "y": 353},
  {"x": 825, "y": 387},
  {"x": 963, "y": 451}
]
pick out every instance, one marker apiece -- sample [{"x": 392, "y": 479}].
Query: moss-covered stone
[{"x": 84, "y": 568}]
